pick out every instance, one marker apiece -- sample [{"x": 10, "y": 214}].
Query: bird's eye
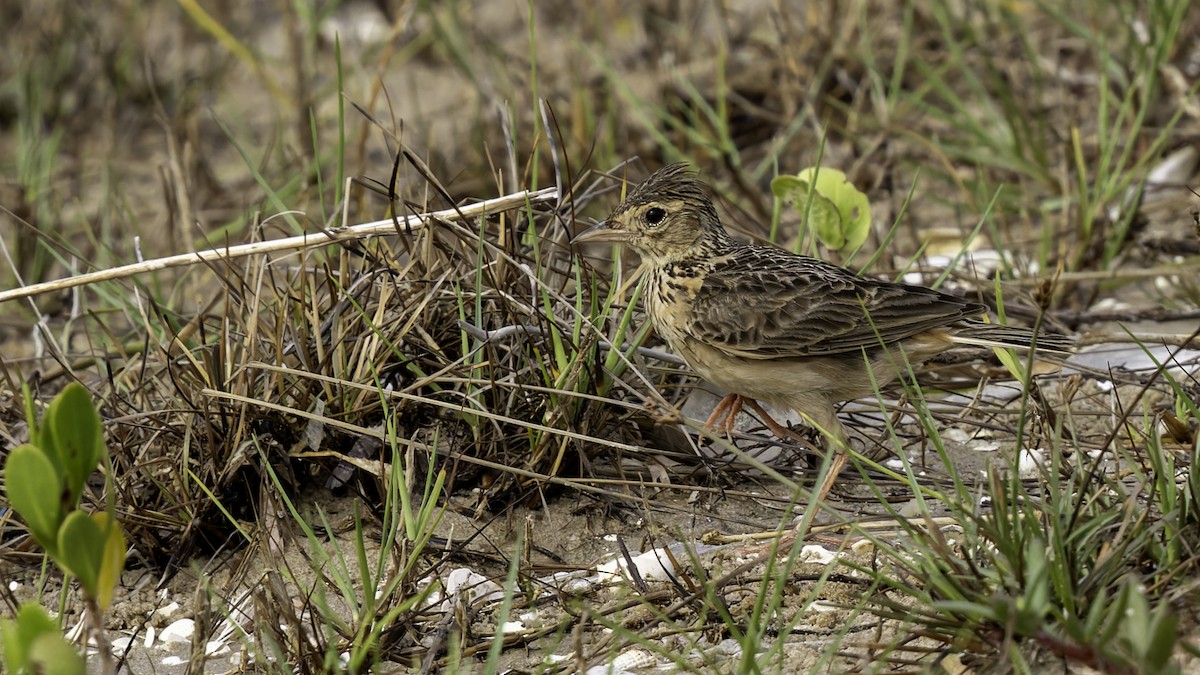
[{"x": 655, "y": 215}]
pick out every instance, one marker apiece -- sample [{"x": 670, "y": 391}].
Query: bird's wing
[{"x": 762, "y": 303}]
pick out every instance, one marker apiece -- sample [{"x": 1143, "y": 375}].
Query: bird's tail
[{"x": 994, "y": 335}]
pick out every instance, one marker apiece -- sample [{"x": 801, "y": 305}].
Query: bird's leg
[
  {"x": 776, "y": 428},
  {"x": 728, "y": 408},
  {"x": 837, "y": 462},
  {"x": 724, "y": 415},
  {"x": 835, "y": 444}
]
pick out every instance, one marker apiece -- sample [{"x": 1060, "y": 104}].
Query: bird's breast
[{"x": 669, "y": 300}]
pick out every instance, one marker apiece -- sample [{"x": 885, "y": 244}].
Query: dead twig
[{"x": 327, "y": 236}]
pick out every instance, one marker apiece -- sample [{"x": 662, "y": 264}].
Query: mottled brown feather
[{"x": 791, "y": 306}]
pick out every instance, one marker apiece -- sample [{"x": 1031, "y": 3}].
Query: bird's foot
[
  {"x": 776, "y": 428},
  {"x": 725, "y": 414}
]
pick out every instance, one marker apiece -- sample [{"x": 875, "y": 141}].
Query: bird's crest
[{"x": 673, "y": 181}]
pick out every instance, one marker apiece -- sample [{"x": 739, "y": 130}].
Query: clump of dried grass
[{"x": 485, "y": 337}]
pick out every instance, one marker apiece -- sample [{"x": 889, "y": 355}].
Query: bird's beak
[{"x": 601, "y": 232}]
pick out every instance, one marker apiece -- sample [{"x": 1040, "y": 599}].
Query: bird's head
[{"x": 668, "y": 217}]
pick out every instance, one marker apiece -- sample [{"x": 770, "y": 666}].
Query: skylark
[{"x": 770, "y": 325}]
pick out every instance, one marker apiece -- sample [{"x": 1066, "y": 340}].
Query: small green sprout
[{"x": 837, "y": 212}]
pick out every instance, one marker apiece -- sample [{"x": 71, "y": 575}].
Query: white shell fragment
[
  {"x": 477, "y": 588},
  {"x": 179, "y": 631}
]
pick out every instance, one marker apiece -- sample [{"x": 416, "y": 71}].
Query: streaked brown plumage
[{"x": 771, "y": 325}]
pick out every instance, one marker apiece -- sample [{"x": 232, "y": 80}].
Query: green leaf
[
  {"x": 112, "y": 561},
  {"x": 1150, "y": 634},
  {"x": 34, "y": 486},
  {"x": 852, "y": 206},
  {"x": 1094, "y": 625},
  {"x": 974, "y": 610},
  {"x": 1164, "y": 635},
  {"x": 81, "y": 543},
  {"x": 837, "y": 212},
  {"x": 11, "y": 646},
  {"x": 51, "y": 653},
  {"x": 1008, "y": 358},
  {"x": 1137, "y": 619},
  {"x": 74, "y": 436},
  {"x": 18, "y": 635},
  {"x": 789, "y": 189},
  {"x": 824, "y": 219},
  {"x": 1034, "y": 603}
]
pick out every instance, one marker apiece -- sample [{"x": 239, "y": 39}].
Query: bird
[{"x": 770, "y": 325}]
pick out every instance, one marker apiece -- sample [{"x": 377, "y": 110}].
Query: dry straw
[{"x": 321, "y": 238}]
